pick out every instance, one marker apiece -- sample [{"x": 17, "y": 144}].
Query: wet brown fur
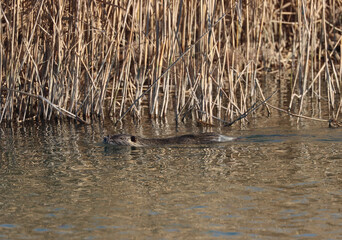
[{"x": 135, "y": 141}]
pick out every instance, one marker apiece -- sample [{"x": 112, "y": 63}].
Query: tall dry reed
[{"x": 89, "y": 59}]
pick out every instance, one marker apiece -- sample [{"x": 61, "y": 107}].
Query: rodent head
[{"x": 122, "y": 140}]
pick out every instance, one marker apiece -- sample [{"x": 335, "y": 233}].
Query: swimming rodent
[{"x": 135, "y": 141}]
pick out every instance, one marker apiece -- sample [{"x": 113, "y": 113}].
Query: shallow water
[{"x": 58, "y": 181}]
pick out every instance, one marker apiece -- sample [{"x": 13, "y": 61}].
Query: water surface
[{"x": 59, "y": 181}]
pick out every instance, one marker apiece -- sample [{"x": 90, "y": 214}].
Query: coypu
[{"x": 135, "y": 141}]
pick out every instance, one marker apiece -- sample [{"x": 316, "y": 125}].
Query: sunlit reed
[{"x": 94, "y": 59}]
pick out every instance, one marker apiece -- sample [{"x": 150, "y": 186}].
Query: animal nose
[{"x": 105, "y": 139}]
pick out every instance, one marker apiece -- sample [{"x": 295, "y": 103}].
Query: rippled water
[{"x": 59, "y": 181}]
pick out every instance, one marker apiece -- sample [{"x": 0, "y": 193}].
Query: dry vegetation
[{"x": 90, "y": 59}]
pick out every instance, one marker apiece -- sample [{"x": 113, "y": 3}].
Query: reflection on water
[{"x": 60, "y": 181}]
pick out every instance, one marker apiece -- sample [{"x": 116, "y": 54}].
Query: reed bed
[{"x": 204, "y": 60}]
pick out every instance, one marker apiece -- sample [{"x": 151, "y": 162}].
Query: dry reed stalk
[
  {"x": 1, "y": 59},
  {"x": 305, "y": 50}
]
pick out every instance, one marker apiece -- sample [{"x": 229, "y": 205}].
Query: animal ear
[{"x": 133, "y": 139}]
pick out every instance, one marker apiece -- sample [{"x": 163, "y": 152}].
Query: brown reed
[{"x": 99, "y": 58}]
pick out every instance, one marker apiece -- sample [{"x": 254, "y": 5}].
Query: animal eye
[{"x": 133, "y": 138}]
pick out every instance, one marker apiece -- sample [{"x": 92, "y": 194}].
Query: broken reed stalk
[
  {"x": 254, "y": 107},
  {"x": 297, "y": 115},
  {"x": 59, "y": 109}
]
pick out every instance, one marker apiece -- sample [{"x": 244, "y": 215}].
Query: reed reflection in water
[{"x": 60, "y": 181}]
